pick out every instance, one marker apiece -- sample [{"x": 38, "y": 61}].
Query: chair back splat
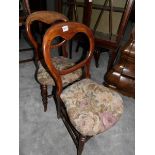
[
  {"x": 86, "y": 108},
  {"x": 67, "y": 31},
  {"x": 47, "y": 17}
]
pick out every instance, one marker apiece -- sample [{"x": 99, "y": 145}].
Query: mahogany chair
[
  {"x": 109, "y": 41},
  {"x": 86, "y": 108},
  {"x": 42, "y": 73}
]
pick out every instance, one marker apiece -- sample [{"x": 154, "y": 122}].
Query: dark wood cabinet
[{"x": 122, "y": 74}]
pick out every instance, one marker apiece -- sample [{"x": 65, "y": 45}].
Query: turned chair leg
[
  {"x": 44, "y": 96},
  {"x": 58, "y": 107},
  {"x": 70, "y": 49},
  {"x": 80, "y": 147}
]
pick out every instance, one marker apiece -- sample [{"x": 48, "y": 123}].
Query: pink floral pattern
[
  {"x": 92, "y": 108},
  {"x": 60, "y": 63}
]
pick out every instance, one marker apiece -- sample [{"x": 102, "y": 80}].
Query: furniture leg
[
  {"x": 44, "y": 96},
  {"x": 96, "y": 57},
  {"x": 80, "y": 147},
  {"x": 70, "y": 49},
  {"x": 112, "y": 56}
]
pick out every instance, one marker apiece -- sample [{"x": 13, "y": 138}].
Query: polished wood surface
[
  {"x": 50, "y": 18},
  {"x": 71, "y": 29},
  {"x": 56, "y": 30},
  {"x": 122, "y": 74}
]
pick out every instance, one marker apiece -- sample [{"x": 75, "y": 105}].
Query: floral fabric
[
  {"x": 92, "y": 108},
  {"x": 60, "y": 63}
]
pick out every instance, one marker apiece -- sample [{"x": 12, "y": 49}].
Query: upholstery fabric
[
  {"x": 60, "y": 63},
  {"x": 92, "y": 108}
]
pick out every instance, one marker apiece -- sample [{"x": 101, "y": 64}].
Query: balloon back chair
[
  {"x": 42, "y": 75},
  {"x": 86, "y": 107}
]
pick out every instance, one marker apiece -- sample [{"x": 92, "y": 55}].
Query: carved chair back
[
  {"x": 66, "y": 31},
  {"x": 47, "y": 17}
]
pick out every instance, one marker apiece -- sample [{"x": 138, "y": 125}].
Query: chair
[
  {"x": 112, "y": 42},
  {"x": 86, "y": 108},
  {"x": 107, "y": 41},
  {"x": 42, "y": 73}
]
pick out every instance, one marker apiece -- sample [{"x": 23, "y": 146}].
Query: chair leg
[
  {"x": 80, "y": 147},
  {"x": 44, "y": 96},
  {"x": 77, "y": 47},
  {"x": 112, "y": 56},
  {"x": 58, "y": 108},
  {"x": 57, "y": 103},
  {"x": 96, "y": 57},
  {"x": 70, "y": 49}
]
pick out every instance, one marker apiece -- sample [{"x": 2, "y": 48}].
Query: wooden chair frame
[
  {"x": 57, "y": 30},
  {"x": 47, "y": 17}
]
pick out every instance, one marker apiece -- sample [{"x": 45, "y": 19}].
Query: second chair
[{"x": 42, "y": 73}]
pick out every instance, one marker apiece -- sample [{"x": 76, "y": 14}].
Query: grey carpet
[{"x": 41, "y": 133}]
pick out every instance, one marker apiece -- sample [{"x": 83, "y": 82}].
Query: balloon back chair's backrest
[
  {"x": 66, "y": 31},
  {"x": 47, "y": 17}
]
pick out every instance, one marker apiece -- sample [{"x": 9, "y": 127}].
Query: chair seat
[
  {"x": 60, "y": 63},
  {"x": 92, "y": 108}
]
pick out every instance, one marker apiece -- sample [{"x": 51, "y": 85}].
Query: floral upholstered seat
[
  {"x": 60, "y": 63},
  {"x": 92, "y": 108}
]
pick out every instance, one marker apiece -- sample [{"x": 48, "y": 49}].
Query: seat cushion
[
  {"x": 60, "y": 63},
  {"x": 92, "y": 108}
]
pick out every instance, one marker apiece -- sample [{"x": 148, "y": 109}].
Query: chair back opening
[{"x": 67, "y": 31}]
